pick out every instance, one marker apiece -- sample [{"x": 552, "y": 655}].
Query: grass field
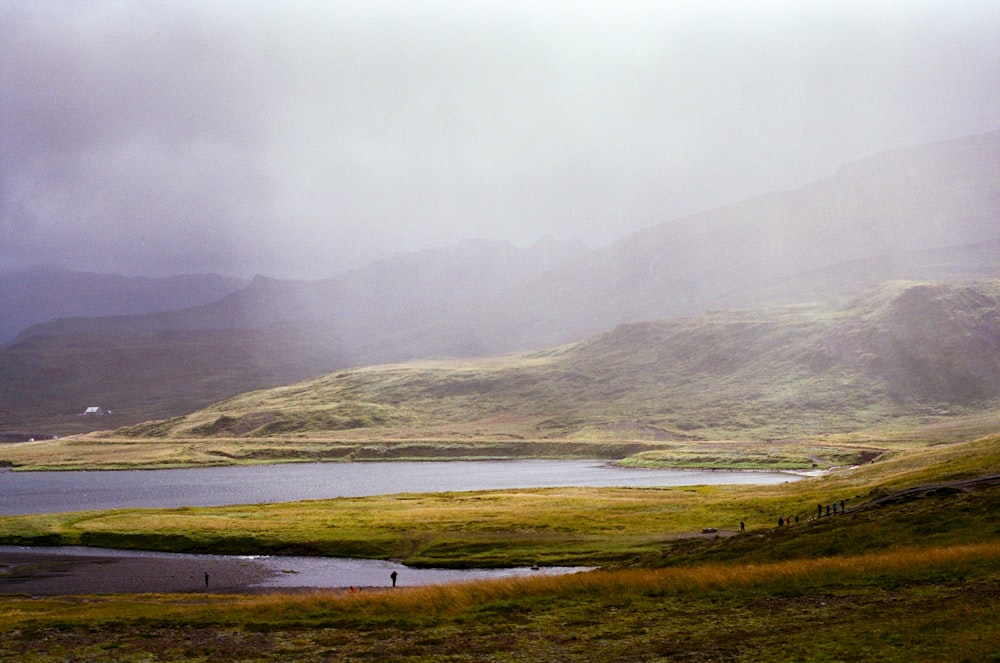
[
  {"x": 910, "y": 573},
  {"x": 926, "y": 604}
]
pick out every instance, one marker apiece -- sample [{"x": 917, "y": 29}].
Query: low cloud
[{"x": 302, "y": 140}]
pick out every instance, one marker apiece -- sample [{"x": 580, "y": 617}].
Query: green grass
[
  {"x": 86, "y": 453},
  {"x": 909, "y": 605},
  {"x": 812, "y": 453},
  {"x": 775, "y": 455},
  {"x": 550, "y": 526},
  {"x": 906, "y": 575}
]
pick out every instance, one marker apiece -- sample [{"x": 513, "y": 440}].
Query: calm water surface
[
  {"x": 317, "y": 572},
  {"x": 52, "y": 492}
]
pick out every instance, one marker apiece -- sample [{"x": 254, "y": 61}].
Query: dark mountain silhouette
[
  {"x": 923, "y": 213},
  {"x": 407, "y": 288},
  {"x": 39, "y": 294}
]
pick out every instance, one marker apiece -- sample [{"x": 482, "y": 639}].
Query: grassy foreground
[
  {"x": 908, "y": 605},
  {"x": 910, "y": 573}
]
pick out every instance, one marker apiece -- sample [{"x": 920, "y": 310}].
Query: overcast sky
[{"x": 299, "y": 139}]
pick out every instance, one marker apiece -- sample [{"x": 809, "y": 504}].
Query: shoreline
[
  {"x": 77, "y": 570},
  {"x": 38, "y": 573}
]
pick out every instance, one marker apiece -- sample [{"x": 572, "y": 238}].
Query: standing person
[
  {"x": 743, "y": 527},
  {"x": 206, "y": 578},
  {"x": 393, "y": 576},
  {"x": 819, "y": 511}
]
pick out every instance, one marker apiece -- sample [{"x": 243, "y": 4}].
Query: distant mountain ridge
[
  {"x": 891, "y": 209},
  {"x": 878, "y": 219},
  {"x": 408, "y": 287},
  {"x": 40, "y": 294},
  {"x": 922, "y": 213}
]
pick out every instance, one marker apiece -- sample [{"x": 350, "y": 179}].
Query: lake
[{"x": 52, "y": 492}]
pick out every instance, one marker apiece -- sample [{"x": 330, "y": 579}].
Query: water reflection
[
  {"x": 51, "y": 492},
  {"x": 238, "y": 572},
  {"x": 331, "y": 572}
]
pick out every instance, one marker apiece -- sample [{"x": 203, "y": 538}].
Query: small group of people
[
  {"x": 834, "y": 508},
  {"x": 831, "y": 507}
]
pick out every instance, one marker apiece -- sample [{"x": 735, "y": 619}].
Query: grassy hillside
[
  {"x": 47, "y": 382},
  {"x": 905, "y": 351},
  {"x": 903, "y": 361}
]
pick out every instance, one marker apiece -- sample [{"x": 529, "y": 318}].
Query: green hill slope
[{"x": 901, "y": 351}]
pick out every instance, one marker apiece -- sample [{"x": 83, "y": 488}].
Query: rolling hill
[
  {"x": 905, "y": 350},
  {"x": 271, "y": 332},
  {"x": 923, "y": 213}
]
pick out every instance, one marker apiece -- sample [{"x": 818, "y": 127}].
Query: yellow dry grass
[{"x": 451, "y": 599}]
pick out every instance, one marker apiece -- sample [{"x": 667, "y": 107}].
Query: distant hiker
[
  {"x": 781, "y": 522},
  {"x": 819, "y": 510},
  {"x": 843, "y": 508},
  {"x": 393, "y": 576},
  {"x": 743, "y": 527},
  {"x": 827, "y": 509},
  {"x": 206, "y": 579},
  {"x": 835, "y": 508},
  {"x": 796, "y": 520}
]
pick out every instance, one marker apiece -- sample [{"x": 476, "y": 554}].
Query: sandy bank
[{"x": 46, "y": 574}]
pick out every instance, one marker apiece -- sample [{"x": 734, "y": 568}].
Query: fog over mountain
[
  {"x": 303, "y": 140},
  {"x": 927, "y": 213}
]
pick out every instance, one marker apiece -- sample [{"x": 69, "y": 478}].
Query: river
[
  {"x": 52, "y": 492},
  {"x": 48, "y": 571}
]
